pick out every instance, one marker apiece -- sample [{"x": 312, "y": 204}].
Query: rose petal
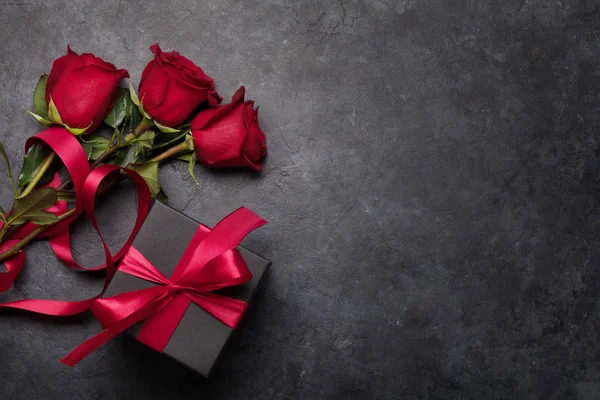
[
  {"x": 214, "y": 99},
  {"x": 153, "y": 87},
  {"x": 86, "y": 95},
  {"x": 212, "y": 115},
  {"x": 224, "y": 139},
  {"x": 159, "y": 56},
  {"x": 254, "y": 147},
  {"x": 229, "y": 135},
  {"x": 179, "y": 103},
  {"x": 61, "y": 67},
  {"x": 188, "y": 87},
  {"x": 255, "y": 165}
]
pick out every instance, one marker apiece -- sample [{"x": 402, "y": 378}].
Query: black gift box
[{"x": 199, "y": 338}]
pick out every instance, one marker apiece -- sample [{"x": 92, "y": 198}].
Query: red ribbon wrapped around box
[{"x": 210, "y": 262}]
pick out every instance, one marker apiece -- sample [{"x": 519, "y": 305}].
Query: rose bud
[
  {"x": 173, "y": 86},
  {"x": 229, "y": 135},
  {"x": 81, "y": 91}
]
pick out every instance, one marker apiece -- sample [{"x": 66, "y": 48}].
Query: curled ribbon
[
  {"x": 68, "y": 149},
  {"x": 75, "y": 161},
  {"x": 209, "y": 263},
  {"x": 86, "y": 185},
  {"x": 15, "y": 263}
]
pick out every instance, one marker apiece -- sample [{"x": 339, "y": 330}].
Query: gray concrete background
[{"x": 432, "y": 190}]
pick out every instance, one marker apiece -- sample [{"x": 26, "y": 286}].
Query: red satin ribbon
[
  {"x": 13, "y": 264},
  {"x": 87, "y": 196},
  {"x": 75, "y": 161},
  {"x": 86, "y": 186},
  {"x": 210, "y": 263},
  {"x": 73, "y": 157}
]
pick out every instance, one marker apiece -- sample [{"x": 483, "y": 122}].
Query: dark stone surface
[{"x": 432, "y": 191}]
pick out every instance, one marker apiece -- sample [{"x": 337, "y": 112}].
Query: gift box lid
[{"x": 199, "y": 338}]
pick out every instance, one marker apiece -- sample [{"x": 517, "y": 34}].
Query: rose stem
[
  {"x": 141, "y": 128},
  {"x": 171, "y": 152},
  {"x": 17, "y": 247},
  {"x": 9, "y": 230},
  {"x": 40, "y": 172},
  {"x": 10, "y": 252}
]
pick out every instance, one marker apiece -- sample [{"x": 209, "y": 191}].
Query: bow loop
[
  {"x": 225, "y": 236},
  {"x": 227, "y": 269},
  {"x": 224, "y": 308},
  {"x": 109, "y": 310},
  {"x": 134, "y": 263}
]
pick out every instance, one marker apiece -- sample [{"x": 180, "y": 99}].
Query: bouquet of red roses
[{"x": 175, "y": 114}]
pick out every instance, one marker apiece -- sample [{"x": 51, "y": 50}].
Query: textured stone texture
[{"x": 432, "y": 191}]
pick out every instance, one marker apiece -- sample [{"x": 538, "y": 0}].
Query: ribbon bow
[{"x": 209, "y": 263}]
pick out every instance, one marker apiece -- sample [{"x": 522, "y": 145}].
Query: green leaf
[
  {"x": 125, "y": 156},
  {"x": 162, "y": 197},
  {"x": 95, "y": 139},
  {"x": 40, "y": 119},
  {"x": 53, "y": 114},
  {"x": 31, "y": 208},
  {"x": 143, "y": 142},
  {"x": 135, "y": 118},
  {"x": 119, "y": 111},
  {"x": 37, "y": 217},
  {"x": 79, "y": 131},
  {"x": 137, "y": 102},
  {"x": 132, "y": 119},
  {"x": 94, "y": 146},
  {"x": 39, "y": 98},
  {"x": 144, "y": 113},
  {"x": 31, "y": 163},
  {"x": 115, "y": 136},
  {"x": 8, "y": 171},
  {"x": 164, "y": 128},
  {"x": 2, "y": 215},
  {"x": 167, "y": 139},
  {"x": 189, "y": 142},
  {"x": 133, "y": 95},
  {"x": 184, "y": 157},
  {"x": 191, "y": 165},
  {"x": 148, "y": 171}
]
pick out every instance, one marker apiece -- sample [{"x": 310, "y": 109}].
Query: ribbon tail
[
  {"x": 61, "y": 246},
  {"x": 226, "y": 235},
  {"x": 159, "y": 328},
  {"x": 55, "y": 308},
  {"x": 226, "y": 309},
  {"x": 13, "y": 265},
  {"x": 87, "y": 347}
]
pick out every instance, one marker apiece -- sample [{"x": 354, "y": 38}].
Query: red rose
[
  {"x": 229, "y": 135},
  {"x": 172, "y": 87},
  {"x": 83, "y": 89}
]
